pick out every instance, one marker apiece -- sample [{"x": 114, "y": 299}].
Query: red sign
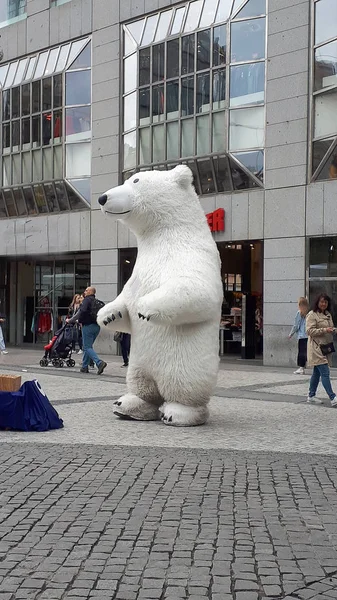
[{"x": 216, "y": 220}]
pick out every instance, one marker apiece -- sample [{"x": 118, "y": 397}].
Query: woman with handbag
[
  {"x": 302, "y": 338},
  {"x": 320, "y": 327}
]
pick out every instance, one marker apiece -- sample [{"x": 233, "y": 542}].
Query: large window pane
[
  {"x": 208, "y": 13},
  {"x": 206, "y": 176},
  {"x": 15, "y": 135},
  {"x": 50, "y": 66},
  {"x": 178, "y": 20},
  {"x": 19, "y": 201},
  {"x": 25, "y": 123},
  {"x": 223, "y": 11},
  {"x": 41, "y": 64},
  {"x": 26, "y": 167},
  {"x": 6, "y": 135},
  {"x": 15, "y": 102},
  {"x": 46, "y": 93},
  {"x": 144, "y": 106},
  {"x": 25, "y": 99},
  {"x": 329, "y": 170},
  {"x": 78, "y": 160},
  {"x": 158, "y": 103},
  {"x": 129, "y": 146},
  {"x": 144, "y": 66},
  {"x": 187, "y": 137},
  {"x": 51, "y": 197},
  {"x": 187, "y": 96},
  {"x": 78, "y": 123},
  {"x": 158, "y": 138},
  {"x": 37, "y": 165},
  {"x": 57, "y": 91},
  {"x": 83, "y": 186},
  {"x": 193, "y": 15},
  {"x": 83, "y": 60},
  {"x": 6, "y": 105},
  {"x": 163, "y": 24},
  {"x": 36, "y": 96},
  {"x": 58, "y": 162},
  {"x": 74, "y": 200},
  {"x": 47, "y": 163},
  {"x": 219, "y": 45},
  {"x": 30, "y": 69},
  {"x": 145, "y": 146},
  {"x": 149, "y": 31},
  {"x": 204, "y": 50},
  {"x": 172, "y": 140},
  {"x": 222, "y": 173},
  {"x": 219, "y": 132},
  {"x": 323, "y": 257},
  {"x": 319, "y": 150},
  {"x": 62, "y": 58},
  {"x": 6, "y": 171},
  {"x": 246, "y": 129},
  {"x": 325, "y": 114},
  {"x": 325, "y": 20},
  {"x": 202, "y": 96},
  {"x": 187, "y": 54},
  {"x": 36, "y": 131},
  {"x": 8, "y": 196},
  {"x": 20, "y": 71},
  {"x": 248, "y": 40},
  {"x": 46, "y": 128},
  {"x": 247, "y": 84},
  {"x": 61, "y": 195},
  {"x": 57, "y": 125},
  {"x": 130, "y": 73},
  {"x": 253, "y": 8},
  {"x": 253, "y": 161},
  {"x": 30, "y": 201},
  {"x": 326, "y": 65},
  {"x": 158, "y": 62},
  {"x": 219, "y": 89},
  {"x": 203, "y": 138},
  {"x": 16, "y": 168},
  {"x": 78, "y": 87},
  {"x": 130, "y": 110},
  {"x": 172, "y": 59},
  {"x": 172, "y": 99},
  {"x": 11, "y": 74}
]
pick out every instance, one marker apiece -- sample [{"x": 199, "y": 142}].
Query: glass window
[
  {"x": 222, "y": 174},
  {"x": 47, "y": 163},
  {"x": 30, "y": 69},
  {"x": 172, "y": 140},
  {"x": 26, "y": 167},
  {"x": 208, "y": 13},
  {"x": 219, "y": 45},
  {"x": 223, "y": 10},
  {"x": 51, "y": 63},
  {"x": 219, "y": 132},
  {"x": 206, "y": 176},
  {"x": 240, "y": 179},
  {"x": 3, "y": 212},
  {"x": 36, "y": 96},
  {"x": 129, "y": 43},
  {"x": 76, "y": 47},
  {"x": 46, "y": 128},
  {"x": 50, "y": 196},
  {"x": 253, "y": 161},
  {"x": 75, "y": 202},
  {"x": 16, "y": 168},
  {"x": 25, "y": 124},
  {"x": 15, "y": 135},
  {"x": 326, "y": 65},
  {"x": 57, "y": 91},
  {"x": 219, "y": 89},
  {"x": 25, "y": 99},
  {"x": 193, "y": 15},
  {"x": 158, "y": 103},
  {"x": 163, "y": 25},
  {"x": 41, "y": 65},
  {"x": 247, "y": 84},
  {"x": 325, "y": 20},
  {"x": 15, "y": 102},
  {"x": 187, "y": 96},
  {"x": 187, "y": 137},
  {"x": 145, "y": 145},
  {"x": 78, "y": 88},
  {"x": 202, "y": 93},
  {"x": 37, "y": 165},
  {"x": 19, "y": 201},
  {"x": 3, "y": 73},
  {"x": 130, "y": 73},
  {"x": 78, "y": 123},
  {"x": 62, "y": 58},
  {"x": 246, "y": 129},
  {"x": 323, "y": 257},
  {"x": 253, "y": 8},
  {"x": 203, "y": 50},
  {"x": 158, "y": 62},
  {"x": 6, "y": 135},
  {"x": 46, "y": 93},
  {"x": 319, "y": 150},
  {"x": 30, "y": 201},
  {"x": 158, "y": 140},
  {"x": 8, "y": 196},
  {"x": 6, "y": 171},
  {"x": 83, "y": 61},
  {"x": 248, "y": 40},
  {"x": 11, "y": 74},
  {"x": 130, "y": 110},
  {"x": 136, "y": 29},
  {"x": 36, "y": 131},
  {"x": 178, "y": 20},
  {"x": 83, "y": 186},
  {"x": 144, "y": 66},
  {"x": 129, "y": 146},
  {"x": 172, "y": 59},
  {"x": 203, "y": 138},
  {"x": 325, "y": 114},
  {"x": 61, "y": 195},
  {"x": 187, "y": 52},
  {"x": 20, "y": 71},
  {"x": 58, "y": 162},
  {"x": 144, "y": 106},
  {"x": 172, "y": 99},
  {"x": 78, "y": 160},
  {"x": 149, "y": 31},
  {"x": 329, "y": 168},
  {"x": 6, "y": 104}
]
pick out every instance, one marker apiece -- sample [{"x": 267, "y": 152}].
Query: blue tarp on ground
[{"x": 28, "y": 409}]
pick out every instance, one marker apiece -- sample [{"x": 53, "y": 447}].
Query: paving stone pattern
[{"x": 140, "y": 524}]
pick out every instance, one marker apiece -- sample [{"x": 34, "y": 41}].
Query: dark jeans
[
  {"x": 77, "y": 338},
  {"x": 302, "y": 352},
  {"x": 89, "y": 335},
  {"x": 321, "y": 371},
  {"x": 125, "y": 347}
]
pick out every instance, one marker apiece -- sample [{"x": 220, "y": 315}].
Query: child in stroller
[{"x": 59, "y": 349}]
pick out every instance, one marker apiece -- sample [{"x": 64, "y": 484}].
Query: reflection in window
[
  {"x": 144, "y": 106},
  {"x": 219, "y": 45},
  {"x": 246, "y": 129},
  {"x": 325, "y": 114},
  {"x": 158, "y": 103},
  {"x": 187, "y": 50},
  {"x": 219, "y": 89},
  {"x": 172, "y": 60},
  {"x": 222, "y": 175},
  {"x": 145, "y": 145},
  {"x": 202, "y": 94},
  {"x": 172, "y": 99},
  {"x": 158, "y": 62},
  {"x": 253, "y": 161},
  {"x": 319, "y": 151},
  {"x": 206, "y": 176},
  {"x": 326, "y": 65},
  {"x": 187, "y": 96},
  {"x": 144, "y": 66},
  {"x": 12, "y": 11},
  {"x": 248, "y": 40},
  {"x": 247, "y": 84},
  {"x": 325, "y": 20},
  {"x": 203, "y": 50},
  {"x": 78, "y": 123},
  {"x": 78, "y": 87}
]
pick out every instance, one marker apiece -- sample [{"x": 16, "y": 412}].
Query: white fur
[{"x": 176, "y": 286}]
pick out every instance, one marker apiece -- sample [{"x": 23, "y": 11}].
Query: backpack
[{"x": 95, "y": 307}]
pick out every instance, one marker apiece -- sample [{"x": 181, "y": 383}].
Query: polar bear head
[{"x": 152, "y": 199}]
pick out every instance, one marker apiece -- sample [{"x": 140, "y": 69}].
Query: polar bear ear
[{"x": 183, "y": 175}]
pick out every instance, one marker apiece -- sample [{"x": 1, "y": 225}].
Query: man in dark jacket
[{"x": 90, "y": 331}]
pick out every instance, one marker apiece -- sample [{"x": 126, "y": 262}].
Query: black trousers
[
  {"x": 125, "y": 347},
  {"x": 302, "y": 352}
]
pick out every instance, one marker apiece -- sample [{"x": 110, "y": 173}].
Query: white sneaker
[
  {"x": 314, "y": 400},
  {"x": 300, "y": 371},
  {"x": 4, "y": 351},
  {"x": 333, "y": 402},
  {"x": 80, "y": 352}
]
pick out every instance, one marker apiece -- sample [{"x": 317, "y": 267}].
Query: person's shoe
[
  {"x": 92, "y": 364},
  {"x": 4, "y": 351},
  {"x": 84, "y": 370},
  {"x": 314, "y": 400},
  {"x": 125, "y": 365},
  {"x": 300, "y": 371},
  {"x": 333, "y": 402},
  {"x": 80, "y": 352},
  {"x": 101, "y": 367}
]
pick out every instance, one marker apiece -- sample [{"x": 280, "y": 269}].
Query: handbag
[
  {"x": 326, "y": 349},
  {"x": 118, "y": 336}
]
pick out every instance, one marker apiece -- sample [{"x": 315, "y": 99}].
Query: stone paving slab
[{"x": 143, "y": 523}]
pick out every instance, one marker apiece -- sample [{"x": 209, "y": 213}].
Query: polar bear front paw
[
  {"x": 180, "y": 415},
  {"x": 109, "y": 313}
]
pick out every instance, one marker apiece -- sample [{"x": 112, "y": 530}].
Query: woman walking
[
  {"x": 302, "y": 338},
  {"x": 320, "y": 327},
  {"x": 77, "y": 333}
]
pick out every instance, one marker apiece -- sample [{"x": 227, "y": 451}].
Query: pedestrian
[
  {"x": 2, "y": 341},
  {"x": 77, "y": 331},
  {"x": 302, "y": 338},
  {"x": 320, "y": 327},
  {"x": 125, "y": 347},
  {"x": 90, "y": 330}
]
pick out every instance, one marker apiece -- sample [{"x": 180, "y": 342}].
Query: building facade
[{"x": 243, "y": 91}]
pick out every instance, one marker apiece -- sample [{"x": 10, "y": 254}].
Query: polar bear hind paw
[
  {"x": 131, "y": 406},
  {"x": 180, "y": 415}
]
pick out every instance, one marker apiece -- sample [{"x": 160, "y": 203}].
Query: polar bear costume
[{"x": 171, "y": 304}]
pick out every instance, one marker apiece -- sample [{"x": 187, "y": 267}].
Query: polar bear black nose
[{"x": 102, "y": 199}]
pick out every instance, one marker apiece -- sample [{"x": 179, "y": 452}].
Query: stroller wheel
[
  {"x": 70, "y": 362},
  {"x": 43, "y": 362},
  {"x": 61, "y": 363},
  {"x": 55, "y": 362}
]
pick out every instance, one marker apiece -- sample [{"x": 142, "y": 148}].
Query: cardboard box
[{"x": 10, "y": 383}]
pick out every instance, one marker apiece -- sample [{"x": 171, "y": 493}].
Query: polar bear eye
[{"x": 135, "y": 180}]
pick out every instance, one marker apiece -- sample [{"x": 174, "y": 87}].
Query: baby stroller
[{"x": 59, "y": 349}]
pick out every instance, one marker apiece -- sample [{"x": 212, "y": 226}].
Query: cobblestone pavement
[{"x": 241, "y": 509}]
